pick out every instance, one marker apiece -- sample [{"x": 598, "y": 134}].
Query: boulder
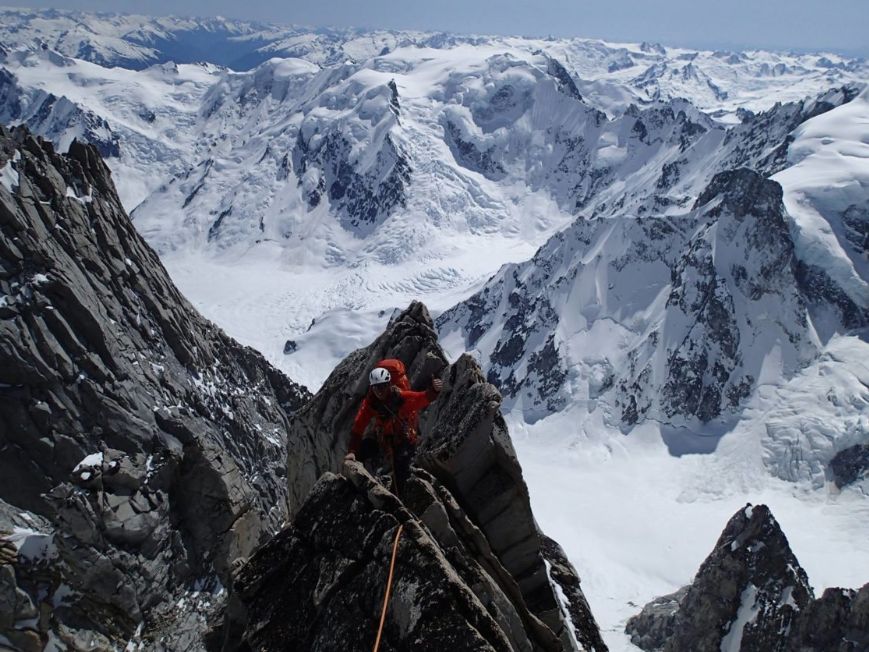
[
  {"x": 850, "y": 465},
  {"x": 838, "y": 620}
]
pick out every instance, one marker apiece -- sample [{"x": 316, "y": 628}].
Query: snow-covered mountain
[
  {"x": 614, "y": 74},
  {"x": 682, "y": 312},
  {"x": 631, "y": 238}
]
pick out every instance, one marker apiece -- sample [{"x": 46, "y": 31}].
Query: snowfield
[{"x": 637, "y": 522}]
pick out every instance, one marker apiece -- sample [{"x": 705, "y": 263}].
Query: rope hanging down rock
[{"x": 388, "y": 588}]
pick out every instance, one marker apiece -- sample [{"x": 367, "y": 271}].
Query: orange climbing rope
[{"x": 388, "y": 588}]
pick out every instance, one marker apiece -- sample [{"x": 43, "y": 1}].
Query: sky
[{"x": 804, "y": 25}]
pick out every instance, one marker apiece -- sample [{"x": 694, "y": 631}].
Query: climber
[{"x": 395, "y": 413}]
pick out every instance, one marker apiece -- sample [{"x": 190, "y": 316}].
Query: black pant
[{"x": 400, "y": 457}]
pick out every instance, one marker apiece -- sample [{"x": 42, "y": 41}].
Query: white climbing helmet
[{"x": 378, "y": 376}]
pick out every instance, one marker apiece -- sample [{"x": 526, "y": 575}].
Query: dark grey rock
[
  {"x": 469, "y": 155},
  {"x": 563, "y": 79},
  {"x": 334, "y": 583},
  {"x": 319, "y": 584},
  {"x": 8, "y": 596},
  {"x": 469, "y": 451},
  {"x": 838, "y": 621},
  {"x": 850, "y": 465},
  {"x": 822, "y": 292},
  {"x": 752, "y": 569},
  {"x": 655, "y": 624},
  {"x": 583, "y": 627},
  {"x": 99, "y": 353},
  {"x": 467, "y": 497}
]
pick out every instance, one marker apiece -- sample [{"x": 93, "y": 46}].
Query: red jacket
[{"x": 395, "y": 416}]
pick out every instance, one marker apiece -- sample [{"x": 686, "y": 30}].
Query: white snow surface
[
  {"x": 90, "y": 461},
  {"x": 748, "y": 610},
  {"x": 637, "y": 522},
  {"x": 32, "y": 544},
  {"x": 8, "y": 173},
  {"x": 613, "y": 74},
  {"x": 829, "y": 178}
]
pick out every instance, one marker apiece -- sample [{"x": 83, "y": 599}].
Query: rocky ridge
[
  {"x": 470, "y": 540},
  {"x": 148, "y": 446},
  {"x": 146, "y": 455}
]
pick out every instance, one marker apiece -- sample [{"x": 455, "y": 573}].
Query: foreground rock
[
  {"x": 751, "y": 594},
  {"x": 471, "y": 575},
  {"x": 151, "y": 444}
]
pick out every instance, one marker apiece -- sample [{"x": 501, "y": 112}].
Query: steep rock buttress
[{"x": 152, "y": 446}]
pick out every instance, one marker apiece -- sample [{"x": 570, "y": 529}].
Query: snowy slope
[
  {"x": 383, "y": 181},
  {"x": 144, "y": 122},
  {"x": 129, "y": 41},
  {"x": 677, "y": 298},
  {"x": 826, "y": 192}
]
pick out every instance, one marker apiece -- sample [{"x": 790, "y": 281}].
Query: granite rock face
[
  {"x": 472, "y": 566},
  {"x": 321, "y": 429},
  {"x": 751, "y": 594},
  {"x": 153, "y": 444},
  {"x": 838, "y": 621},
  {"x": 319, "y": 584}
]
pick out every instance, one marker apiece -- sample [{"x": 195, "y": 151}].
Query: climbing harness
[{"x": 388, "y": 588}]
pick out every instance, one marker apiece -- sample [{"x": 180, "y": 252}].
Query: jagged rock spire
[
  {"x": 466, "y": 503},
  {"x": 751, "y": 594}
]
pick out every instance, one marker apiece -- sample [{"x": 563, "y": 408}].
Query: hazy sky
[{"x": 837, "y": 25}]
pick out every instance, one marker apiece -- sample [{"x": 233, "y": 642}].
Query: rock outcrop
[
  {"x": 850, "y": 465},
  {"x": 751, "y": 594},
  {"x": 837, "y": 621},
  {"x": 472, "y": 565},
  {"x": 151, "y": 444}
]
